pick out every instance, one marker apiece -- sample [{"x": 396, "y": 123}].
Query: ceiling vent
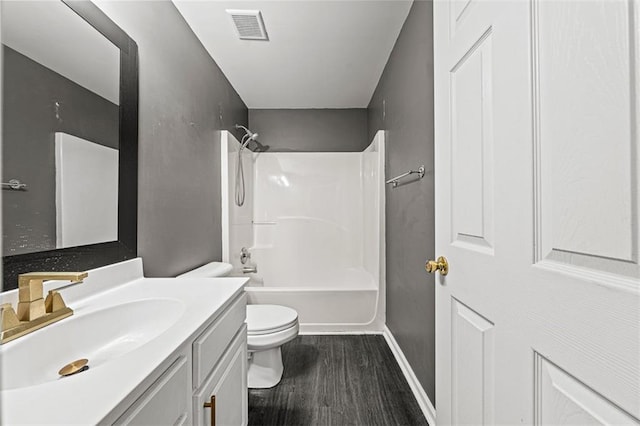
[{"x": 248, "y": 24}]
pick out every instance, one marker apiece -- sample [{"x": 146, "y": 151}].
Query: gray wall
[
  {"x": 406, "y": 89},
  {"x": 184, "y": 101},
  {"x": 28, "y": 150},
  {"x": 328, "y": 130},
  {"x": 1, "y": 140}
]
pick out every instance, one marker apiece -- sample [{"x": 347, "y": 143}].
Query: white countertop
[{"x": 89, "y": 397}]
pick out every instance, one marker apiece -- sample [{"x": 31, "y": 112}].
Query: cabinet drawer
[
  {"x": 228, "y": 384},
  {"x": 209, "y": 347},
  {"x": 164, "y": 403}
]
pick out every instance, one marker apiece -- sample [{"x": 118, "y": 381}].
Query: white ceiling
[
  {"x": 52, "y": 34},
  {"x": 320, "y": 53}
]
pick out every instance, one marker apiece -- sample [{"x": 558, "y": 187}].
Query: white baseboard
[
  {"x": 418, "y": 391},
  {"x": 304, "y": 332}
]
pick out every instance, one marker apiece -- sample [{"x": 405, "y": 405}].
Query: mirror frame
[{"x": 92, "y": 256}]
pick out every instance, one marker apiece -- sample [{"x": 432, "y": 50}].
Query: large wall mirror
[{"x": 69, "y": 138}]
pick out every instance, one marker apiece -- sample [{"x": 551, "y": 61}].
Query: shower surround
[{"x": 314, "y": 225}]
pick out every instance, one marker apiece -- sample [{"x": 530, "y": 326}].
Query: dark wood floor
[{"x": 337, "y": 380}]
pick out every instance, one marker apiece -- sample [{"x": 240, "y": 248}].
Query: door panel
[
  {"x": 473, "y": 366},
  {"x": 587, "y": 166},
  {"x": 458, "y": 11},
  {"x": 563, "y": 399},
  {"x": 472, "y": 190}
]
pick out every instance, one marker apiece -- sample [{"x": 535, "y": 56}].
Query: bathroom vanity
[{"x": 160, "y": 351}]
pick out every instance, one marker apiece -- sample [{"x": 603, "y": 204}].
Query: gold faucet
[{"x": 35, "y": 312}]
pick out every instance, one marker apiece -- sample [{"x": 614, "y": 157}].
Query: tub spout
[{"x": 250, "y": 270}]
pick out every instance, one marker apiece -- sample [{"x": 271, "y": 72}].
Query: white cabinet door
[
  {"x": 227, "y": 384},
  {"x": 537, "y": 195},
  {"x": 166, "y": 402}
]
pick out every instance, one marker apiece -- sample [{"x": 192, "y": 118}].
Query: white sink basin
[{"x": 101, "y": 336}]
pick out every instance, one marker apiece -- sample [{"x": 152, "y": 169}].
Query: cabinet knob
[{"x": 212, "y": 405}]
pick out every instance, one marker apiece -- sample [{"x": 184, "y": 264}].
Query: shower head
[{"x": 260, "y": 147}]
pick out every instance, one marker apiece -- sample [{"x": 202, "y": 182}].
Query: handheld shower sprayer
[{"x": 240, "y": 189}]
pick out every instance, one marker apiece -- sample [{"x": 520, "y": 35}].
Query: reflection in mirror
[
  {"x": 61, "y": 94},
  {"x": 70, "y": 137}
]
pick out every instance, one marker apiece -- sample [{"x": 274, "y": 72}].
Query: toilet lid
[{"x": 265, "y": 319}]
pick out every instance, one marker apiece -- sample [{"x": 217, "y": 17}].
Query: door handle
[
  {"x": 212, "y": 405},
  {"x": 431, "y": 266}
]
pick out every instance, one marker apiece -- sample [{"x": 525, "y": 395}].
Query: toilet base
[{"x": 265, "y": 369}]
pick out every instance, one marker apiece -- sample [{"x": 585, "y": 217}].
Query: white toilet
[{"x": 268, "y": 328}]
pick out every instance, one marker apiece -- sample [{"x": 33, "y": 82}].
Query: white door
[{"x": 537, "y": 197}]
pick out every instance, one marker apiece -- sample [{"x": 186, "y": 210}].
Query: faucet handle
[
  {"x": 54, "y": 302},
  {"x": 9, "y": 317},
  {"x": 244, "y": 255}
]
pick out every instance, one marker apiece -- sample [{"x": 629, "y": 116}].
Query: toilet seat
[
  {"x": 264, "y": 342},
  {"x": 270, "y": 326},
  {"x": 269, "y": 319}
]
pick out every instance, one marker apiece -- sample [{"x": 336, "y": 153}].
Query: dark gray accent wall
[
  {"x": 319, "y": 130},
  {"x": 403, "y": 106},
  {"x": 185, "y": 100},
  {"x": 37, "y": 103}
]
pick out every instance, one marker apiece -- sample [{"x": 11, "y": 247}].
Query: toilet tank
[{"x": 209, "y": 270}]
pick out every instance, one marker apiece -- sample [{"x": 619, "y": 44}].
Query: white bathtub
[{"x": 346, "y": 302}]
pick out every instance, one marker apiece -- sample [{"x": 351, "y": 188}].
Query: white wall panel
[
  {"x": 308, "y": 212},
  {"x": 373, "y": 241},
  {"x": 237, "y": 228}
]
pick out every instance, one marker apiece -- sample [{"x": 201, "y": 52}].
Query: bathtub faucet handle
[{"x": 244, "y": 255}]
